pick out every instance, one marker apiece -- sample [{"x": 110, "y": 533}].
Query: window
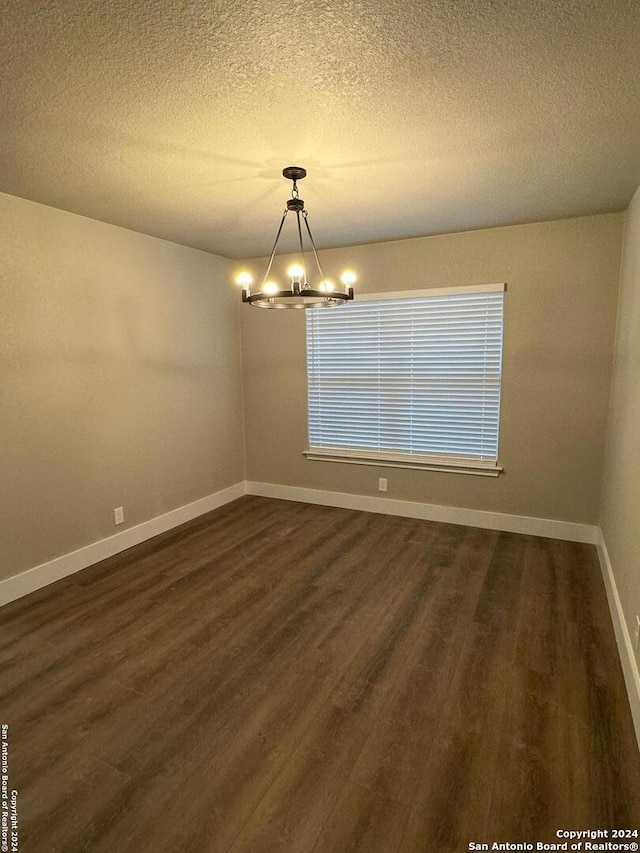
[{"x": 408, "y": 380}]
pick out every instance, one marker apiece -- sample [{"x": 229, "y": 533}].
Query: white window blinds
[{"x": 413, "y": 378}]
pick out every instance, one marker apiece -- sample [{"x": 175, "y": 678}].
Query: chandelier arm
[
  {"x": 313, "y": 244},
  {"x": 273, "y": 251},
  {"x": 304, "y": 269}
]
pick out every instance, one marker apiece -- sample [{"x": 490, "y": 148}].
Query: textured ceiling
[{"x": 175, "y": 118}]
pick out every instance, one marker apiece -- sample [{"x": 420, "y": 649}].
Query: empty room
[{"x": 280, "y": 579}]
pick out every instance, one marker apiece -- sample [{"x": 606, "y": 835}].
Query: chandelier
[{"x": 298, "y": 292}]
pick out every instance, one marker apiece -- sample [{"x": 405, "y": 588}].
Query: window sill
[{"x": 450, "y": 465}]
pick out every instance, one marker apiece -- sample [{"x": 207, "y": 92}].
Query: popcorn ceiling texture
[{"x": 175, "y": 118}]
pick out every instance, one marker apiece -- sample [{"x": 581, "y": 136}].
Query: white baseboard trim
[
  {"x": 547, "y": 527},
  {"x": 46, "y": 573},
  {"x": 623, "y": 638}
]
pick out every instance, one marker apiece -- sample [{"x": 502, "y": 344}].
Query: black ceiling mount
[{"x": 294, "y": 173}]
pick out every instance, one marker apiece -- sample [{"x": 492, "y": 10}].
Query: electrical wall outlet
[
  {"x": 118, "y": 514},
  {"x": 382, "y": 484},
  {"x": 636, "y": 643}
]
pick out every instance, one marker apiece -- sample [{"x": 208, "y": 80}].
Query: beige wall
[
  {"x": 620, "y": 518},
  {"x": 560, "y": 317},
  {"x": 119, "y": 380}
]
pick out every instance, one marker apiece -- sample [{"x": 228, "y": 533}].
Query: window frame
[{"x": 448, "y": 463}]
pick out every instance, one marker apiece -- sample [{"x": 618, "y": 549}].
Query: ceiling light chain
[{"x": 301, "y": 294}]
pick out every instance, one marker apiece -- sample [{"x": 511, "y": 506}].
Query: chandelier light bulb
[
  {"x": 348, "y": 277},
  {"x": 270, "y": 288},
  {"x": 296, "y": 272},
  {"x": 244, "y": 279},
  {"x": 326, "y": 286}
]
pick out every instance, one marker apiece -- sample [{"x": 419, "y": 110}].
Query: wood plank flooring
[{"x": 276, "y": 677}]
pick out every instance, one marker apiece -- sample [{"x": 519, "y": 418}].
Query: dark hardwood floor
[{"x": 283, "y": 677}]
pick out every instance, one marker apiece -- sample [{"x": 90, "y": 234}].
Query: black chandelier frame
[{"x": 301, "y": 294}]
